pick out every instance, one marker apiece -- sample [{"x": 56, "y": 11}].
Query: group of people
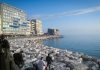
[
  {"x": 8, "y": 61},
  {"x": 42, "y": 65},
  {"x": 18, "y": 58}
]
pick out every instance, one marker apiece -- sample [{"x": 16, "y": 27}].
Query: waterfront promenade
[{"x": 62, "y": 59}]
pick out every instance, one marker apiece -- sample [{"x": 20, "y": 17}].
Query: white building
[{"x": 12, "y": 20}]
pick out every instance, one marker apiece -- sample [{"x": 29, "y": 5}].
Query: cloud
[
  {"x": 85, "y": 11},
  {"x": 70, "y": 13}
]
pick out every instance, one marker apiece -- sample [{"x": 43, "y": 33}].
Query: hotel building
[{"x": 13, "y": 20}]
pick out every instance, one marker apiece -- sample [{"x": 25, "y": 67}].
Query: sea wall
[{"x": 62, "y": 59}]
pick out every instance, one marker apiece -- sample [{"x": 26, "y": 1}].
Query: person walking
[{"x": 48, "y": 60}]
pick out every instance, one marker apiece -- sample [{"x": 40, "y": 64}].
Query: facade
[
  {"x": 28, "y": 29},
  {"x": 12, "y": 20},
  {"x": 53, "y": 32},
  {"x": 36, "y": 27},
  {"x": 32, "y": 24}
]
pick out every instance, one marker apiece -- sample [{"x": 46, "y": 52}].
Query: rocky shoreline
[{"x": 62, "y": 59}]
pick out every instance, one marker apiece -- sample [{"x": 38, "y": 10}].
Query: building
[
  {"x": 32, "y": 30},
  {"x": 28, "y": 30},
  {"x": 12, "y": 20},
  {"x": 36, "y": 27},
  {"x": 53, "y": 32}
]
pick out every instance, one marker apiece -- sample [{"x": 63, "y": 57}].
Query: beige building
[
  {"x": 12, "y": 20},
  {"x": 32, "y": 28},
  {"x": 36, "y": 27}
]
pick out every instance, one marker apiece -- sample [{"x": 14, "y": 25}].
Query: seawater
[{"x": 87, "y": 44}]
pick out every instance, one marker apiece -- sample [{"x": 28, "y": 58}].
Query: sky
[{"x": 71, "y": 17}]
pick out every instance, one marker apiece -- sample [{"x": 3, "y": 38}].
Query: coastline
[{"x": 34, "y": 50}]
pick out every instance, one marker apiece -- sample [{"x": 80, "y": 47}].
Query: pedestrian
[
  {"x": 4, "y": 45},
  {"x": 41, "y": 64},
  {"x": 48, "y": 60},
  {"x": 18, "y": 59},
  {"x": 4, "y": 53}
]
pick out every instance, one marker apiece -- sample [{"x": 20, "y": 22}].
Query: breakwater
[{"x": 62, "y": 59}]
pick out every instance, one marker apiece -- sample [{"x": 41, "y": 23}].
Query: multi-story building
[
  {"x": 28, "y": 30},
  {"x": 53, "y": 32},
  {"x": 36, "y": 27},
  {"x": 12, "y": 20},
  {"x": 32, "y": 24}
]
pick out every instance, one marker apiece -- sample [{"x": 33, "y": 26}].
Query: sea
[{"x": 87, "y": 44}]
